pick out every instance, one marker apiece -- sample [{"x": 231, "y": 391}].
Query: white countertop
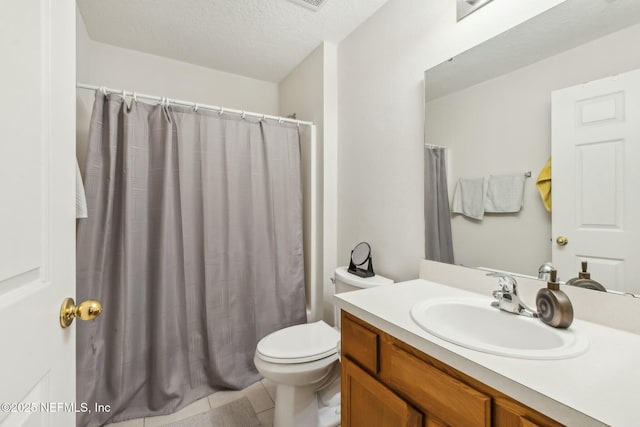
[{"x": 599, "y": 387}]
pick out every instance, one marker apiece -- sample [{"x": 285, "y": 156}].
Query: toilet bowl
[{"x": 302, "y": 361}]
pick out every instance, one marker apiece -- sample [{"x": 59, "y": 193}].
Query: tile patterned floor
[{"x": 261, "y": 395}]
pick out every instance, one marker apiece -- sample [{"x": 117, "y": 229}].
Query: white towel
[
  {"x": 81, "y": 200},
  {"x": 505, "y": 193},
  {"x": 469, "y": 197}
]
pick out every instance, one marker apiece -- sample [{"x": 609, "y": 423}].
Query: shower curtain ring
[
  {"x": 195, "y": 107},
  {"x": 221, "y": 112},
  {"x": 298, "y": 123},
  {"x": 243, "y": 115},
  {"x": 103, "y": 90},
  {"x": 135, "y": 96},
  {"x": 124, "y": 94}
]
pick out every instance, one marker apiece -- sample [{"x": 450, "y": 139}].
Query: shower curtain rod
[{"x": 194, "y": 105}]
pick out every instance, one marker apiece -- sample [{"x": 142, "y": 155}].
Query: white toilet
[{"x": 303, "y": 359}]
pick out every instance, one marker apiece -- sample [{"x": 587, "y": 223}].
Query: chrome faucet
[
  {"x": 544, "y": 272},
  {"x": 507, "y": 298}
]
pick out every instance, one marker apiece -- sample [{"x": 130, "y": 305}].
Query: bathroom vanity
[
  {"x": 395, "y": 373},
  {"x": 387, "y": 382}
]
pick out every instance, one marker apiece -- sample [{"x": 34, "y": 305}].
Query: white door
[
  {"x": 596, "y": 180},
  {"x": 37, "y": 217}
]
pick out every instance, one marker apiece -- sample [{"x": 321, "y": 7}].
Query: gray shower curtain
[
  {"x": 193, "y": 244},
  {"x": 437, "y": 216}
]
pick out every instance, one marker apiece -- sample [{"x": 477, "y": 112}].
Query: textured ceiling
[{"x": 263, "y": 39}]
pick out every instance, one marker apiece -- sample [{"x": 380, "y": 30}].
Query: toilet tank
[{"x": 347, "y": 282}]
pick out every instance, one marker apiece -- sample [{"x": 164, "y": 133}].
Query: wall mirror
[
  {"x": 491, "y": 107},
  {"x": 466, "y": 7}
]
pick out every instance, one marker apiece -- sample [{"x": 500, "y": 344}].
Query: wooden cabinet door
[
  {"x": 432, "y": 390},
  {"x": 368, "y": 403}
]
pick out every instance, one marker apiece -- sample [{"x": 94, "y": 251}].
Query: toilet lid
[{"x": 299, "y": 343}]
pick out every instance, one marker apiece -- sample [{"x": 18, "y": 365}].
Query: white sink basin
[{"x": 473, "y": 323}]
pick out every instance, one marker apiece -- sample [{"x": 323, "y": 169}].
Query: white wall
[
  {"x": 105, "y": 65},
  {"x": 331, "y": 260},
  {"x": 300, "y": 92},
  {"x": 503, "y": 126},
  {"x": 310, "y": 90},
  {"x": 381, "y": 111}
]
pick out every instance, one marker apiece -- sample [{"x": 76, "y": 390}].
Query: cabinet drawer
[
  {"x": 438, "y": 393},
  {"x": 359, "y": 343},
  {"x": 507, "y": 413}
]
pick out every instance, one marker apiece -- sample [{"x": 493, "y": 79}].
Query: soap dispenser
[
  {"x": 585, "y": 281},
  {"x": 554, "y": 306}
]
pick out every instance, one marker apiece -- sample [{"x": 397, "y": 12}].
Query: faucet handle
[{"x": 506, "y": 282}]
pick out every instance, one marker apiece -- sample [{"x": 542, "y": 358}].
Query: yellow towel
[{"x": 544, "y": 185}]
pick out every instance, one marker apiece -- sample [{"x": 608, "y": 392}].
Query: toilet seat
[{"x": 299, "y": 344}]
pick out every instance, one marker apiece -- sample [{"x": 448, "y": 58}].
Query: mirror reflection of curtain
[
  {"x": 193, "y": 243},
  {"x": 437, "y": 215}
]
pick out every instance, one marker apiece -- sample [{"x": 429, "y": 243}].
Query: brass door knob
[
  {"x": 562, "y": 241},
  {"x": 88, "y": 310}
]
